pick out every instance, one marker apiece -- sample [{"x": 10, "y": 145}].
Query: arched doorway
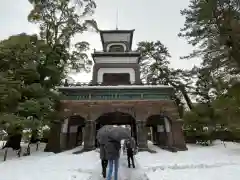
[
  {"x": 75, "y": 132},
  {"x": 117, "y": 118},
  {"x": 158, "y": 129}
]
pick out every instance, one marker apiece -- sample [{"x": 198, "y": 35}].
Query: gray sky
[{"x": 158, "y": 20}]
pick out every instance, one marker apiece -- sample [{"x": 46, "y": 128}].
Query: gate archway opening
[
  {"x": 119, "y": 119},
  {"x": 158, "y": 129},
  {"x": 75, "y": 131}
]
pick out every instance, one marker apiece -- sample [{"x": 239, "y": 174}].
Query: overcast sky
[{"x": 158, "y": 20}]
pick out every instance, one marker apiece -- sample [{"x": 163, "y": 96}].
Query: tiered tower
[{"x": 117, "y": 64}]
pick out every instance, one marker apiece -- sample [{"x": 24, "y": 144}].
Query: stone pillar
[
  {"x": 151, "y": 131},
  {"x": 177, "y": 135},
  {"x": 141, "y": 135},
  {"x": 80, "y": 136},
  {"x": 64, "y": 135},
  {"x": 132, "y": 132},
  {"x": 89, "y": 135},
  {"x": 154, "y": 135},
  {"x": 54, "y": 138},
  {"x": 169, "y": 133}
]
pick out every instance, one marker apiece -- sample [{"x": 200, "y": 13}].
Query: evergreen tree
[{"x": 154, "y": 63}]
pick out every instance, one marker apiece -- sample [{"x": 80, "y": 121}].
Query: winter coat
[
  {"x": 132, "y": 144},
  {"x": 112, "y": 150},
  {"x": 102, "y": 152}
]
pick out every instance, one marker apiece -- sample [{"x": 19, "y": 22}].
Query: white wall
[
  {"x": 116, "y": 37},
  {"x": 116, "y": 59},
  {"x": 112, "y": 44},
  {"x": 101, "y": 71}
]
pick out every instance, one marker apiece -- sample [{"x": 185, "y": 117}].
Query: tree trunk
[
  {"x": 184, "y": 93},
  {"x": 186, "y": 97}
]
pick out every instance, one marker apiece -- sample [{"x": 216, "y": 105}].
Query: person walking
[
  {"x": 103, "y": 158},
  {"x": 130, "y": 147},
  {"x": 111, "y": 137},
  {"x": 113, "y": 154}
]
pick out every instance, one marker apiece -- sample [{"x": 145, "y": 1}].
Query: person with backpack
[{"x": 130, "y": 147}]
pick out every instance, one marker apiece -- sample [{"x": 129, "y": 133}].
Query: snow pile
[
  {"x": 197, "y": 174},
  {"x": 13, "y": 155},
  {"x": 2, "y": 143},
  {"x": 196, "y": 163},
  {"x": 64, "y": 166}
]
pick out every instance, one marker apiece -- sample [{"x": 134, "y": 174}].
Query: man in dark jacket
[
  {"x": 113, "y": 155},
  {"x": 130, "y": 147},
  {"x": 104, "y": 160}
]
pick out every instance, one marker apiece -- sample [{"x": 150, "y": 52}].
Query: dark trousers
[
  {"x": 104, "y": 167},
  {"x": 130, "y": 158}
]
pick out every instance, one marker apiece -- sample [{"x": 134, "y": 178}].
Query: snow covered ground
[
  {"x": 209, "y": 163},
  {"x": 13, "y": 155},
  {"x": 195, "y": 164},
  {"x": 63, "y": 166}
]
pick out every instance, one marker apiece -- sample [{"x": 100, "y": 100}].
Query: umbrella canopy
[
  {"x": 109, "y": 132},
  {"x": 103, "y": 132},
  {"x": 119, "y": 133}
]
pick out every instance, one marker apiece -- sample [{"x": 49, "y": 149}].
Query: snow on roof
[{"x": 117, "y": 87}]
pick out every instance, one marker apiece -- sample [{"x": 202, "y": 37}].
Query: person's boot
[
  {"x": 129, "y": 165},
  {"x": 104, "y": 174},
  {"x": 133, "y": 163}
]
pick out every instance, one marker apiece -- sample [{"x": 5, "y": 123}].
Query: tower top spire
[{"x": 117, "y": 19}]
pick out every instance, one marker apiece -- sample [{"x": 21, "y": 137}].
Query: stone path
[{"x": 125, "y": 173}]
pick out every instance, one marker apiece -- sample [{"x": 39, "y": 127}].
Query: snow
[
  {"x": 197, "y": 174},
  {"x": 2, "y": 133},
  {"x": 2, "y": 143},
  {"x": 63, "y": 166},
  {"x": 11, "y": 155},
  {"x": 195, "y": 164}
]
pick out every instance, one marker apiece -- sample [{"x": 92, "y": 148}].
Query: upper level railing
[
  {"x": 118, "y": 96},
  {"x": 101, "y": 51},
  {"x": 66, "y": 84},
  {"x": 124, "y": 92}
]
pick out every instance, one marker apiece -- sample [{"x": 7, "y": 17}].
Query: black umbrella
[
  {"x": 109, "y": 132},
  {"x": 102, "y": 133}
]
